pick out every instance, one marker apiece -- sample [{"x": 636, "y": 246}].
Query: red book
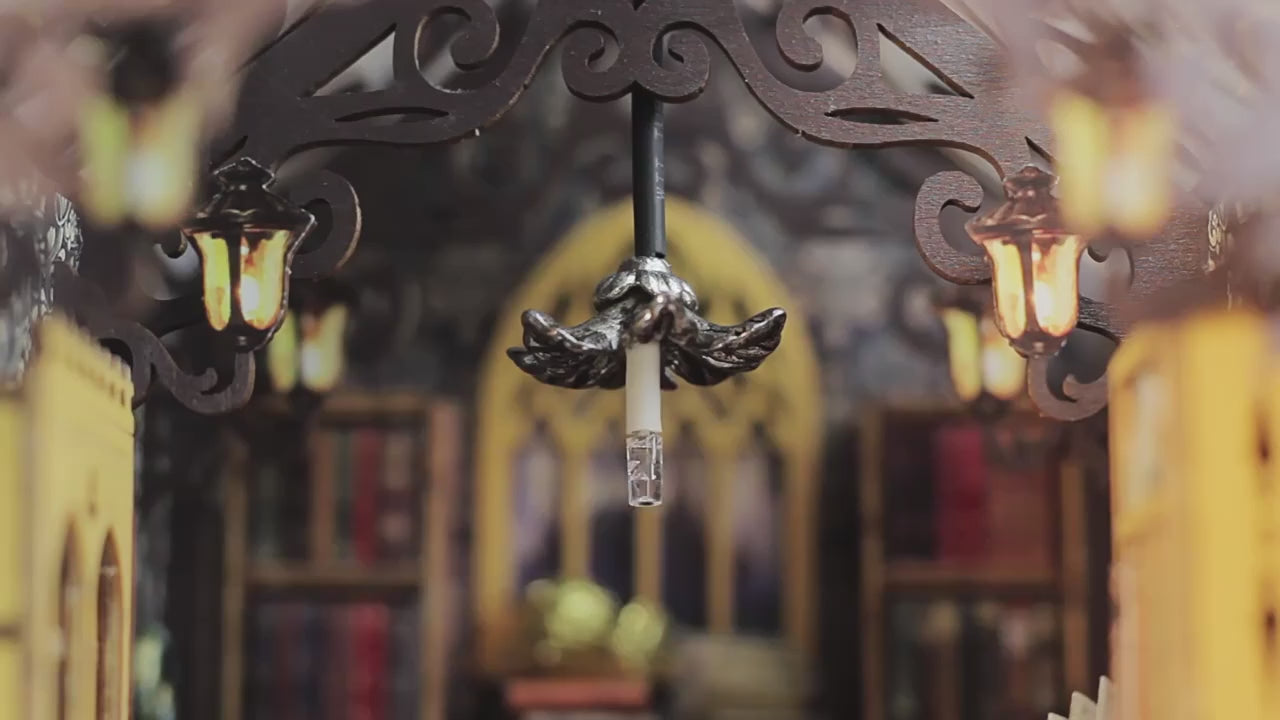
[
  {"x": 960, "y": 476},
  {"x": 368, "y": 479},
  {"x": 370, "y": 625}
]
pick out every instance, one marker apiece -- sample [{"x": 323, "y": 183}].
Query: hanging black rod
[{"x": 648, "y": 186}]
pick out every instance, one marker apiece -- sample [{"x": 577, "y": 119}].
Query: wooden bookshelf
[
  {"x": 319, "y": 575},
  {"x": 286, "y": 576},
  {"x": 888, "y": 579}
]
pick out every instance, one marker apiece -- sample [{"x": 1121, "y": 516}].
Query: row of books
[
  {"x": 981, "y": 660},
  {"x": 947, "y": 500},
  {"x": 354, "y": 661},
  {"x": 353, "y": 497}
]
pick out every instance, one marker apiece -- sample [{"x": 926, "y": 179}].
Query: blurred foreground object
[
  {"x": 133, "y": 87},
  {"x": 575, "y": 628},
  {"x": 718, "y": 677},
  {"x": 1195, "y": 427},
  {"x": 66, "y": 532},
  {"x": 1082, "y": 708},
  {"x": 1147, "y": 99}
]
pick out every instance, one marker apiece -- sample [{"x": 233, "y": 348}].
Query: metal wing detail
[{"x": 644, "y": 302}]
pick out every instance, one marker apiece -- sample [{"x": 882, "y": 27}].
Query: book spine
[
  {"x": 398, "y": 504},
  {"x": 905, "y": 700},
  {"x": 260, "y": 686},
  {"x": 343, "y": 466},
  {"x": 378, "y": 635},
  {"x": 287, "y": 703},
  {"x": 338, "y": 666},
  {"x": 404, "y": 663},
  {"x": 368, "y": 688},
  {"x": 264, "y": 532},
  {"x": 321, "y": 467},
  {"x": 313, "y": 647},
  {"x": 368, "y": 479},
  {"x": 1016, "y": 640},
  {"x": 962, "y": 493},
  {"x": 942, "y": 637}
]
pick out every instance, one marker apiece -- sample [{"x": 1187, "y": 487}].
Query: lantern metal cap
[
  {"x": 1029, "y": 207},
  {"x": 243, "y": 201}
]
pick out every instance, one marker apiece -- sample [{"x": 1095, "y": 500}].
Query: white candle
[
  {"x": 644, "y": 425},
  {"x": 644, "y": 387}
]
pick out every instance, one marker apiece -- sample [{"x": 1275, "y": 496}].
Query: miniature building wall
[
  {"x": 1195, "y": 455},
  {"x": 66, "y": 533}
]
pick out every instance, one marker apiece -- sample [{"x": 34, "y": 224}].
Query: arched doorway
[
  {"x": 733, "y": 547},
  {"x": 68, "y": 602},
  {"x": 110, "y": 655}
]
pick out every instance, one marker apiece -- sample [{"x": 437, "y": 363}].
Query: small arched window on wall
[
  {"x": 110, "y": 655},
  {"x": 732, "y": 547},
  {"x": 68, "y": 600}
]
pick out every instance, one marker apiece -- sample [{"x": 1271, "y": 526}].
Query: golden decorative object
[
  {"x": 66, "y": 532},
  {"x": 1195, "y": 465}
]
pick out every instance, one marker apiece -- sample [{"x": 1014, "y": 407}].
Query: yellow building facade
[
  {"x": 66, "y": 533},
  {"x": 1195, "y": 454}
]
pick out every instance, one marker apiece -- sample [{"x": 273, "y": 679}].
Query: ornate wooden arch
[
  {"x": 782, "y": 398},
  {"x": 286, "y": 108}
]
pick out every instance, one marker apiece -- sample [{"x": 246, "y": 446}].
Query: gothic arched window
[{"x": 733, "y": 547}]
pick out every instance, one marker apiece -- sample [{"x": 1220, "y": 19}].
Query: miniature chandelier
[
  {"x": 246, "y": 238},
  {"x": 646, "y": 331},
  {"x": 1035, "y": 264}
]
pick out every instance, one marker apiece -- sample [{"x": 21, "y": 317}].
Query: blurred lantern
[
  {"x": 1116, "y": 144},
  {"x": 309, "y": 350},
  {"x": 246, "y": 238},
  {"x": 1035, "y": 264},
  {"x": 140, "y": 137},
  {"x": 986, "y": 372}
]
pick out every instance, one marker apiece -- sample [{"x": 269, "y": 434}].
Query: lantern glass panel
[
  {"x": 215, "y": 267},
  {"x": 1055, "y": 279},
  {"x": 263, "y": 274},
  {"x": 1007, "y": 286}
]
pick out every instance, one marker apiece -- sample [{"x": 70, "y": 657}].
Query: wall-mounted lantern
[
  {"x": 1035, "y": 264},
  {"x": 986, "y": 372},
  {"x": 309, "y": 350},
  {"x": 246, "y": 238}
]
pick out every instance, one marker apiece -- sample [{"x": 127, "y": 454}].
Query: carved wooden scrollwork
[
  {"x": 217, "y": 389},
  {"x": 607, "y": 49},
  {"x": 282, "y": 113}
]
